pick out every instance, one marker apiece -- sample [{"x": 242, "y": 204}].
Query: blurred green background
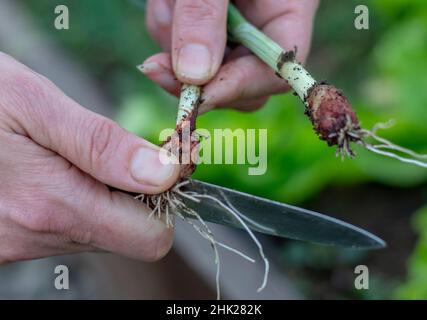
[{"x": 382, "y": 70}]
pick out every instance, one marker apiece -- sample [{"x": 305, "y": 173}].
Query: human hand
[
  {"x": 193, "y": 36},
  {"x": 56, "y": 159}
]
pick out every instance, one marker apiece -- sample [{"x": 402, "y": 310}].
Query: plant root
[
  {"x": 335, "y": 122},
  {"x": 231, "y": 209},
  {"x": 349, "y": 133},
  {"x": 169, "y": 203},
  {"x": 389, "y": 149},
  {"x": 380, "y": 145},
  {"x": 184, "y": 145}
]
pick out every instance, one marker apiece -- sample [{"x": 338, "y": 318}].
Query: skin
[
  {"x": 56, "y": 159},
  {"x": 232, "y": 77}
]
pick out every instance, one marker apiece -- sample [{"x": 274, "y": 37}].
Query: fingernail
[
  {"x": 147, "y": 167},
  {"x": 150, "y": 67},
  {"x": 162, "y": 13},
  {"x": 159, "y": 74},
  {"x": 194, "y": 62}
]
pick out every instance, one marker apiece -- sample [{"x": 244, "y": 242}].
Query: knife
[{"x": 278, "y": 219}]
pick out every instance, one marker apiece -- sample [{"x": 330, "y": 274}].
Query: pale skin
[{"x": 57, "y": 158}]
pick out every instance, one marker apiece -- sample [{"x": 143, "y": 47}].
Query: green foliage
[
  {"x": 308, "y": 263},
  {"x": 109, "y": 37},
  {"x": 415, "y": 286},
  {"x": 300, "y": 254}
]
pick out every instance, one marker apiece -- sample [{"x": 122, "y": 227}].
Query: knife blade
[{"x": 278, "y": 219}]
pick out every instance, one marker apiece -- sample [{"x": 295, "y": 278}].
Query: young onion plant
[{"x": 329, "y": 110}]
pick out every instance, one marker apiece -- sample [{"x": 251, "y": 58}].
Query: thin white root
[
  {"x": 171, "y": 201},
  {"x": 345, "y": 135},
  {"x": 402, "y": 150},
  {"x": 257, "y": 225},
  {"x": 207, "y": 234},
  {"x": 387, "y": 144},
  {"x": 385, "y": 147},
  {"x": 380, "y": 145},
  {"x": 395, "y": 156},
  {"x": 261, "y": 249},
  {"x": 229, "y": 207},
  {"x": 244, "y": 256}
]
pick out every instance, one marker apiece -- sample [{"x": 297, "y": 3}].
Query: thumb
[{"x": 95, "y": 144}]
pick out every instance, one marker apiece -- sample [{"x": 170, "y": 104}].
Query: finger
[
  {"x": 250, "y": 105},
  {"x": 94, "y": 217},
  {"x": 158, "y": 68},
  {"x": 245, "y": 105},
  {"x": 112, "y": 155},
  {"x": 259, "y": 13},
  {"x": 20, "y": 244},
  {"x": 248, "y": 77},
  {"x": 121, "y": 225},
  {"x": 199, "y": 37},
  {"x": 85, "y": 217},
  {"x": 159, "y": 21},
  {"x": 95, "y": 144},
  {"x": 61, "y": 209},
  {"x": 245, "y": 78}
]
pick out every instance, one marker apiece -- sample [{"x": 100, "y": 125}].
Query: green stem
[
  {"x": 270, "y": 52},
  {"x": 245, "y": 33}
]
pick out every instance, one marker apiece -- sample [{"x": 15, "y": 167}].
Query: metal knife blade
[{"x": 278, "y": 219}]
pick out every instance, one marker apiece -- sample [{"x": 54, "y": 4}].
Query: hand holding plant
[
  {"x": 56, "y": 159},
  {"x": 193, "y": 35}
]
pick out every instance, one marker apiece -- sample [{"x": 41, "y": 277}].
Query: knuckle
[
  {"x": 51, "y": 216},
  {"x": 152, "y": 27},
  {"x": 195, "y": 12},
  {"x": 23, "y": 93},
  {"x": 102, "y": 146},
  {"x": 24, "y": 84},
  {"x": 21, "y": 82},
  {"x": 38, "y": 217},
  {"x": 76, "y": 234}
]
